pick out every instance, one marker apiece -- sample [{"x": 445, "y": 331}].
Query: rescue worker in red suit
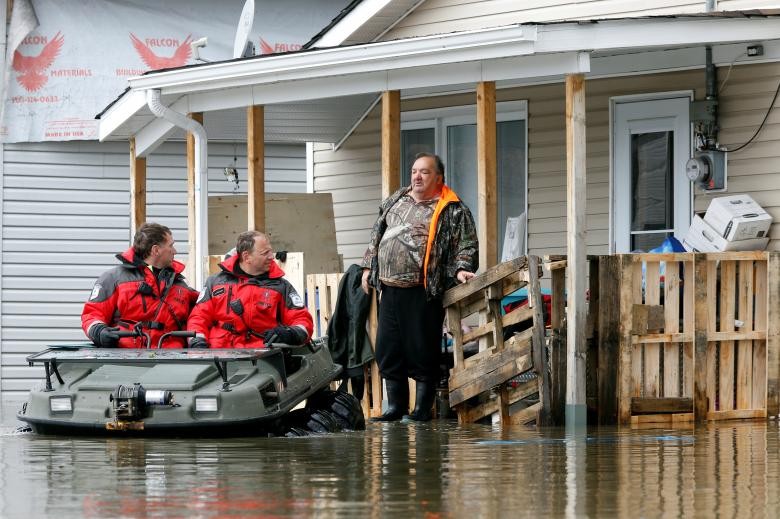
[
  {"x": 249, "y": 304},
  {"x": 146, "y": 290}
]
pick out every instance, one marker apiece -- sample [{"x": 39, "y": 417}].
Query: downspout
[{"x": 201, "y": 177}]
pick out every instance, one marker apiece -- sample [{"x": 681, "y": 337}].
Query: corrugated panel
[
  {"x": 65, "y": 215},
  {"x": 443, "y": 16}
]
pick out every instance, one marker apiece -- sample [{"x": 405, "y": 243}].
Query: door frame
[{"x": 635, "y": 98}]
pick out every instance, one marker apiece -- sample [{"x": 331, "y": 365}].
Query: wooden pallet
[{"x": 479, "y": 385}]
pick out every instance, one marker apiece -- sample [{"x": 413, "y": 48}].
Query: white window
[{"x": 451, "y": 133}]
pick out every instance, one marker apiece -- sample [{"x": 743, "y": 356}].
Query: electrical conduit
[{"x": 153, "y": 100}]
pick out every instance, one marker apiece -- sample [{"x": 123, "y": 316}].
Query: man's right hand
[
  {"x": 364, "y": 280},
  {"x": 199, "y": 343},
  {"x": 104, "y": 336}
]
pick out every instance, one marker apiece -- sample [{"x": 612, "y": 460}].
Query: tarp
[{"x": 79, "y": 57}]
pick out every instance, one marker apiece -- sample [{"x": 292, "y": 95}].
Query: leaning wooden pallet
[{"x": 473, "y": 380}]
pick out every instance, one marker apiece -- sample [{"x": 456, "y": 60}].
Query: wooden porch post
[
  {"x": 391, "y": 142},
  {"x": 191, "y": 237},
  {"x": 255, "y": 154},
  {"x": 576, "y": 409},
  {"x": 137, "y": 190},
  {"x": 486, "y": 174}
]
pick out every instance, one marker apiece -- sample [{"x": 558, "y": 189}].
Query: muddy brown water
[{"x": 432, "y": 470}]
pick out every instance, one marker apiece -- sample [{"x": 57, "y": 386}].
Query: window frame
[{"x": 441, "y": 118}]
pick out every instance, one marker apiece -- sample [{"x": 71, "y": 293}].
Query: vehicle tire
[
  {"x": 295, "y": 432},
  {"x": 322, "y": 421},
  {"x": 344, "y": 407}
]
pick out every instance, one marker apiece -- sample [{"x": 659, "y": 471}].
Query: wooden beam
[
  {"x": 486, "y": 174},
  {"x": 191, "y": 238},
  {"x": 255, "y": 155},
  {"x": 137, "y": 190},
  {"x": 391, "y": 142},
  {"x": 641, "y": 405},
  {"x": 701, "y": 316},
  {"x": 773, "y": 334},
  {"x": 575, "y": 241}
]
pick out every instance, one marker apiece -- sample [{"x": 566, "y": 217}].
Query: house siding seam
[
  {"x": 65, "y": 215},
  {"x": 743, "y": 103},
  {"x": 444, "y": 16}
]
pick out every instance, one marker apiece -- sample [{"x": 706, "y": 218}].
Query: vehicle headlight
[
  {"x": 206, "y": 404},
  {"x": 60, "y": 404}
]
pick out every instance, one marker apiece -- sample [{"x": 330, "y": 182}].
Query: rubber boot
[
  {"x": 423, "y": 403},
  {"x": 397, "y": 401}
]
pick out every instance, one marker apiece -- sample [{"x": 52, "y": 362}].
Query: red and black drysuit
[
  {"x": 236, "y": 310},
  {"x": 133, "y": 293}
]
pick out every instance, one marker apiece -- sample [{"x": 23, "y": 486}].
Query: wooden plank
[
  {"x": 671, "y": 419},
  {"x": 558, "y": 347},
  {"x": 712, "y": 347},
  {"x": 654, "y": 322},
  {"x": 487, "y": 174},
  {"x": 488, "y": 361},
  {"x": 191, "y": 238},
  {"x": 482, "y": 281},
  {"x": 661, "y": 405},
  {"x": 324, "y": 301},
  {"x": 311, "y": 301},
  {"x": 503, "y": 405},
  {"x": 737, "y": 414},
  {"x": 524, "y": 416},
  {"x": 493, "y": 300},
  {"x": 647, "y": 318},
  {"x": 684, "y": 337},
  {"x": 517, "y": 315},
  {"x": 671, "y": 351},
  {"x": 539, "y": 345},
  {"x": 137, "y": 189},
  {"x": 609, "y": 346},
  {"x": 688, "y": 328},
  {"x": 376, "y": 379},
  {"x": 637, "y": 354},
  {"x": 513, "y": 366},
  {"x": 453, "y": 322},
  {"x": 474, "y": 303},
  {"x": 214, "y": 262},
  {"x": 727, "y": 310},
  {"x": 744, "y": 381},
  {"x": 625, "y": 388},
  {"x": 759, "y": 346},
  {"x": 773, "y": 334},
  {"x": 700, "y": 402},
  {"x": 391, "y": 142},
  {"x": 255, "y": 167},
  {"x": 473, "y": 413}
]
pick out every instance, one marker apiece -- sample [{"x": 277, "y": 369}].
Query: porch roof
[{"x": 320, "y": 94}]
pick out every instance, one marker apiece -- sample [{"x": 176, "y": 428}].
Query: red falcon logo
[
  {"x": 265, "y": 47},
  {"x": 155, "y": 62},
  {"x": 32, "y": 69}
]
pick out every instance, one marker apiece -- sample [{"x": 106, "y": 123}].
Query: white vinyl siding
[
  {"x": 65, "y": 215},
  {"x": 443, "y": 16},
  {"x": 756, "y": 170}
]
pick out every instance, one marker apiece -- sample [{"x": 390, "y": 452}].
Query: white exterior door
[{"x": 651, "y": 194}]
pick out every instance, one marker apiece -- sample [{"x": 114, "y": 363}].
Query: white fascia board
[
  {"x": 126, "y": 106},
  {"x": 644, "y": 33},
  {"x": 347, "y": 26},
  {"x": 423, "y": 51}
]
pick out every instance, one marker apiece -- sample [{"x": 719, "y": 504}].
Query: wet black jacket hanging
[{"x": 347, "y": 338}]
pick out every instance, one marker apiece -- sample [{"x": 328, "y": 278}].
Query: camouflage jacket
[{"x": 454, "y": 245}]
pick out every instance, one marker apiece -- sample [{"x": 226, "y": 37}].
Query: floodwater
[{"x": 432, "y": 470}]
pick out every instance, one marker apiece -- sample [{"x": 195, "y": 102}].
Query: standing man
[
  {"x": 146, "y": 290},
  {"x": 249, "y": 302},
  {"x": 423, "y": 243}
]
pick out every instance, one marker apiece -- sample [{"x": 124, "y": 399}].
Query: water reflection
[{"x": 432, "y": 470}]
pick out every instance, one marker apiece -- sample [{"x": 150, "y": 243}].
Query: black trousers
[{"x": 408, "y": 340}]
